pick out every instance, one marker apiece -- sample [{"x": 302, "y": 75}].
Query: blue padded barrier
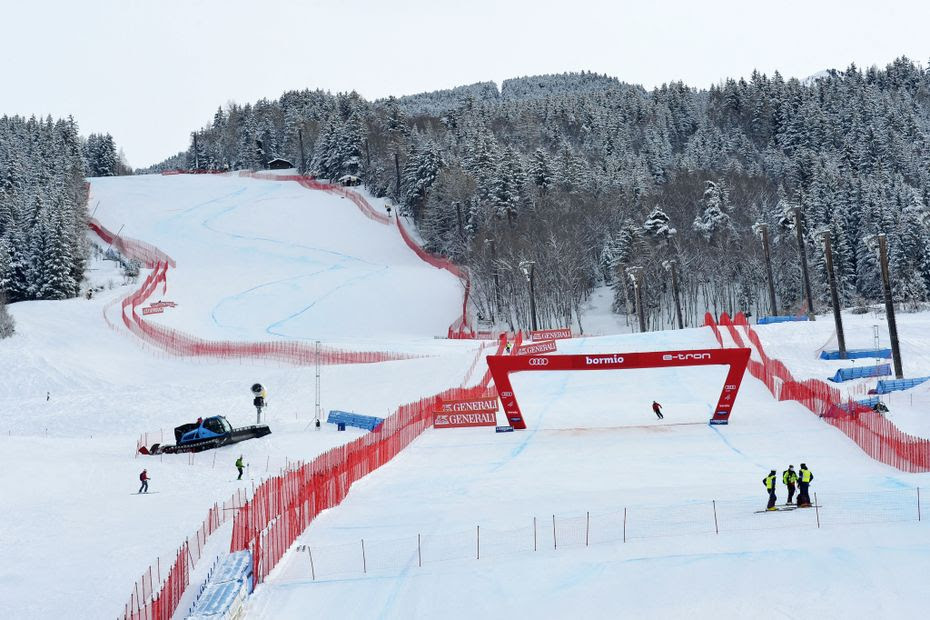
[
  {"x": 857, "y": 354},
  {"x": 766, "y": 320},
  {"x": 861, "y": 372},
  {"x": 894, "y": 385},
  {"x": 366, "y": 422}
]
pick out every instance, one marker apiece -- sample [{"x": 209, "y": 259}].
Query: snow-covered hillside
[{"x": 260, "y": 260}]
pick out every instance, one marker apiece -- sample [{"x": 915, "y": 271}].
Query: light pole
[
  {"x": 636, "y": 274},
  {"x": 834, "y": 296},
  {"x": 529, "y": 269},
  {"x": 880, "y": 242},
  {"x": 799, "y": 229},
  {"x": 671, "y": 265},
  {"x": 762, "y": 230},
  {"x": 497, "y": 284}
]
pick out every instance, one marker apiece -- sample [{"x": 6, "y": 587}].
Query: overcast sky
[{"x": 150, "y": 71}]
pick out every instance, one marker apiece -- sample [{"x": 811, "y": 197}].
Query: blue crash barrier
[
  {"x": 857, "y": 354},
  {"x": 861, "y": 372},
  {"x": 367, "y": 422},
  {"x": 227, "y": 587},
  {"x": 765, "y": 320},
  {"x": 894, "y": 385}
]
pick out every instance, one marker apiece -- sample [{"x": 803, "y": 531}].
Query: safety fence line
[
  {"x": 870, "y": 430},
  {"x": 591, "y": 528},
  {"x": 282, "y": 507},
  {"x": 178, "y": 343},
  {"x": 155, "y": 599}
]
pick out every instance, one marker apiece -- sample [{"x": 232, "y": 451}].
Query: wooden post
[
  {"x": 799, "y": 229},
  {"x": 889, "y": 306},
  {"x": 817, "y": 509},
  {"x": 716, "y": 527},
  {"x": 834, "y": 295}
]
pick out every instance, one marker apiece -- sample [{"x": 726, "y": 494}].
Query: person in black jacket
[
  {"x": 769, "y": 482},
  {"x": 805, "y": 477},
  {"x": 657, "y": 409},
  {"x": 790, "y": 478}
]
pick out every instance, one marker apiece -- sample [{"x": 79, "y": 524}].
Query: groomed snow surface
[{"x": 271, "y": 260}]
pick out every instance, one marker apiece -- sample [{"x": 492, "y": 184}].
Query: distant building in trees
[{"x": 280, "y": 164}]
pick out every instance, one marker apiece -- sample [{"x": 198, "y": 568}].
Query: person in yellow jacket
[
  {"x": 805, "y": 477},
  {"x": 769, "y": 482},
  {"x": 790, "y": 478}
]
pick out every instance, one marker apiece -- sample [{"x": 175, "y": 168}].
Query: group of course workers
[{"x": 791, "y": 478}]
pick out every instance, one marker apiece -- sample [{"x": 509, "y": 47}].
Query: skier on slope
[
  {"x": 769, "y": 482},
  {"x": 657, "y": 409},
  {"x": 239, "y": 466},
  {"x": 144, "y": 478},
  {"x": 790, "y": 478},
  {"x": 805, "y": 477}
]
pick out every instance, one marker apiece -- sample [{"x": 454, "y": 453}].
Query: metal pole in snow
[
  {"x": 624, "y": 524},
  {"x": 817, "y": 509},
  {"x": 477, "y": 542},
  {"x": 419, "y": 552},
  {"x": 534, "y": 533},
  {"x": 312, "y": 569},
  {"x": 364, "y": 563},
  {"x": 555, "y": 542},
  {"x": 918, "y": 503},
  {"x": 716, "y": 527}
]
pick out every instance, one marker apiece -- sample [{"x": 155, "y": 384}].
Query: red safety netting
[
  {"x": 147, "y": 255},
  {"x": 145, "y": 603},
  {"x": 284, "y": 506},
  {"x": 876, "y": 435}
]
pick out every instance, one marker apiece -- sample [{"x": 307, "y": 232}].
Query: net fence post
[
  {"x": 419, "y": 552},
  {"x": 555, "y": 542},
  {"x": 624, "y": 524},
  {"x": 587, "y": 527},
  {"x": 534, "y": 533},
  {"x": 716, "y": 526},
  {"x": 817, "y": 509},
  {"x": 477, "y": 542},
  {"x": 364, "y": 563},
  {"x": 918, "y": 503},
  {"x": 312, "y": 568}
]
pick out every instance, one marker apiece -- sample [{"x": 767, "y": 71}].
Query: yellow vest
[
  {"x": 805, "y": 475},
  {"x": 769, "y": 482}
]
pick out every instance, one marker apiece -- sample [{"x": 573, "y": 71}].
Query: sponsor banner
[
  {"x": 545, "y": 346},
  {"x": 478, "y": 404},
  {"x": 503, "y": 429},
  {"x": 163, "y": 304},
  {"x": 551, "y": 334},
  {"x": 153, "y": 310},
  {"x": 458, "y": 420}
]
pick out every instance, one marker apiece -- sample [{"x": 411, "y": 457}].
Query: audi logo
[{"x": 538, "y": 361}]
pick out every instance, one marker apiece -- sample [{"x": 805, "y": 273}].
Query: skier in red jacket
[
  {"x": 657, "y": 409},
  {"x": 144, "y": 477}
]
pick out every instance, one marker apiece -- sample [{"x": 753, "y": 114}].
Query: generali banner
[
  {"x": 546, "y": 346},
  {"x": 551, "y": 334},
  {"x": 459, "y": 413},
  {"x": 472, "y": 405},
  {"x": 457, "y": 420},
  {"x": 153, "y": 310}
]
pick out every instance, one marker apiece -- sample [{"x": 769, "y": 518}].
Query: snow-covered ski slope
[
  {"x": 259, "y": 259},
  {"x": 248, "y": 254},
  {"x": 594, "y": 446},
  {"x": 76, "y": 394}
]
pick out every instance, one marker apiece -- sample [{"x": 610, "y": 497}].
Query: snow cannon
[{"x": 206, "y": 434}]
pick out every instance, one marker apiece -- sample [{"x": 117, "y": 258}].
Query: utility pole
[
  {"x": 671, "y": 265},
  {"x": 301, "y": 168},
  {"x": 798, "y": 227},
  {"x": 529, "y": 269},
  {"x": 763, "y": 231},
  {"x": 497, "y": 284},
  {"x": 196, "y": 156},
  {"x": 636, "y": 274},
  {"x": 834, "y": 296},
  {"x": 397, "y": 176},
  {"x": 889, "y": 306}
]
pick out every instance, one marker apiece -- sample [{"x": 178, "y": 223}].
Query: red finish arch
[{"x": 502, "y": 365}]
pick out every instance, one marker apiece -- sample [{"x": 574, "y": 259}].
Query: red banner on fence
[
  {"x": 551, "y": 334},
  {"x": 545, "y": 346},
  {"x": 153, "y": 310},
  {"x": 470, "y": 405},
  {"x": 458, "y": 420}
]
